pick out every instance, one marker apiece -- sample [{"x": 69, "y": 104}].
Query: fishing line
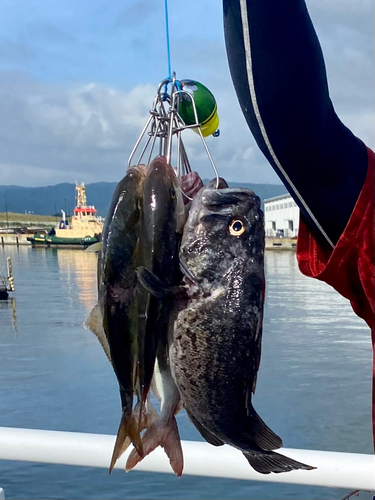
[
  {"x": 165, "y": 123},
  {"x": 167, "y": 36}
]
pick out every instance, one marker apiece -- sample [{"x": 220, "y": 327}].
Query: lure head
[{"x": 205, "y": 105}]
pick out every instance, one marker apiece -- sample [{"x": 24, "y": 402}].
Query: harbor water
[{"x": 314, "y": 383}]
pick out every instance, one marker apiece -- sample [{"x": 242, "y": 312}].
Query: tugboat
[{"x": 85, "y": 229}]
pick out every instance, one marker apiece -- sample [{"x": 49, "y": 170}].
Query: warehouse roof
[{"x": 279, "y": 197}]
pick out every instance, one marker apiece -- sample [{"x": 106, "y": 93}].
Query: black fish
[
  {"x": 162, "y": 219},
  {"x": 115, "y": 318},
  {"x": 216, "y": 346}
]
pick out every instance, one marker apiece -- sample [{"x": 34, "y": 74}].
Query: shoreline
[{"x": 278, "y": 244}]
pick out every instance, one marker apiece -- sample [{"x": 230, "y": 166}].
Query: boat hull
[{"x": 39, "y": 240}]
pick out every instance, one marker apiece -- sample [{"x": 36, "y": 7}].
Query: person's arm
[{"x": 279, "y": 75}]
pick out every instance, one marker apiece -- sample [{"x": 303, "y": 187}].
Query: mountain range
[{"x": 49, "y": 200}]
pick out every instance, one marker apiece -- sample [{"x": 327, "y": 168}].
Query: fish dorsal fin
[{"x": 95, "y": 323}]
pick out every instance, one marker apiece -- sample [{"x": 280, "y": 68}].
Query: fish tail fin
[
  {"x": 142, "y": 408},
  {"x": 127, "y": 433},
  {"x": 139, "y": 413},
  {"x": 164, "y": 434},
  {"x": 266, "y": 462},
  {"x": 145, "y": 414}
]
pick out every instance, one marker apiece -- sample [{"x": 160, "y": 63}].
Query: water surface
[{"x": 314, "y": 383}]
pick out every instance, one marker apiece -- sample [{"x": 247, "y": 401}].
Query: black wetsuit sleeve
[{"x": 279, "y": 75}]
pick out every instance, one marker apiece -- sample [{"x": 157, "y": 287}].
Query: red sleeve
[{"x": 349, "y": 267}]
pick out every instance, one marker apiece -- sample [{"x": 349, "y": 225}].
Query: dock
[
  {"x": 14, "y": 239},
  {"x": 271, "y": 243}
]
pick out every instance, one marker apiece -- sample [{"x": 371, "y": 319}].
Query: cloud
[
  {"x": 89, "y": 128},
  {"x": 82, "y": 127},
  {"x": 137, "y": 13},
  {"x": 355, "y": 16},
  {"x": 41, "y": 33},
  {"x": 15, "y": 52},
  {"x": 50, "y": 133},
  {"x": 346, "y": 33}
]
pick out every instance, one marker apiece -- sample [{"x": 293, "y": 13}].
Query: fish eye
[
  {"x": 173, "y": 194},
  {"x": 236, "y": 227}
]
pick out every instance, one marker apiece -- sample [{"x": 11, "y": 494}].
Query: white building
[{"x": 281, "y": 216}]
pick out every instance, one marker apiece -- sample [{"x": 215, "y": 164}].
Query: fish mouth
[
  {"x": 160, "y": 168},
  {"x": 217, "y": 184},
  {"x": 160, "y": 159},
  {"x": 160, "y": 163},
  {"x": 140, "y": 167},
  {"x": 229, "y": 200}
]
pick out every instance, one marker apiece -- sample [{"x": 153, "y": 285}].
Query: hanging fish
[
  {"x": 191, "y": 183},
  {"x": 216, "y": 344},
  {"x": 162, "y": 220},
  {"x": 163, "y": 431},
  {"x": 115, "y": 318}
]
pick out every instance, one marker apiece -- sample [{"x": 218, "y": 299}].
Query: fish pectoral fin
[
  {"x": 95, "y": 323},
  {"x": 206, "y": 434},
  {"x": 95, "y": 247},
  {"x": 260, "y": 433},
  {"x": 127, "y": 433},
  {"x": 164, "y": 434},
  {"x": 266, "y": 462},
  {"x": 153, "y": 285}
]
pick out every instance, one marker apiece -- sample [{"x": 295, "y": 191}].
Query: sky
[{"x": 77, "y": 80}]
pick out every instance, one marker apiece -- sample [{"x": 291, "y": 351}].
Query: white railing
[{"x": 339, "y": 470}]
